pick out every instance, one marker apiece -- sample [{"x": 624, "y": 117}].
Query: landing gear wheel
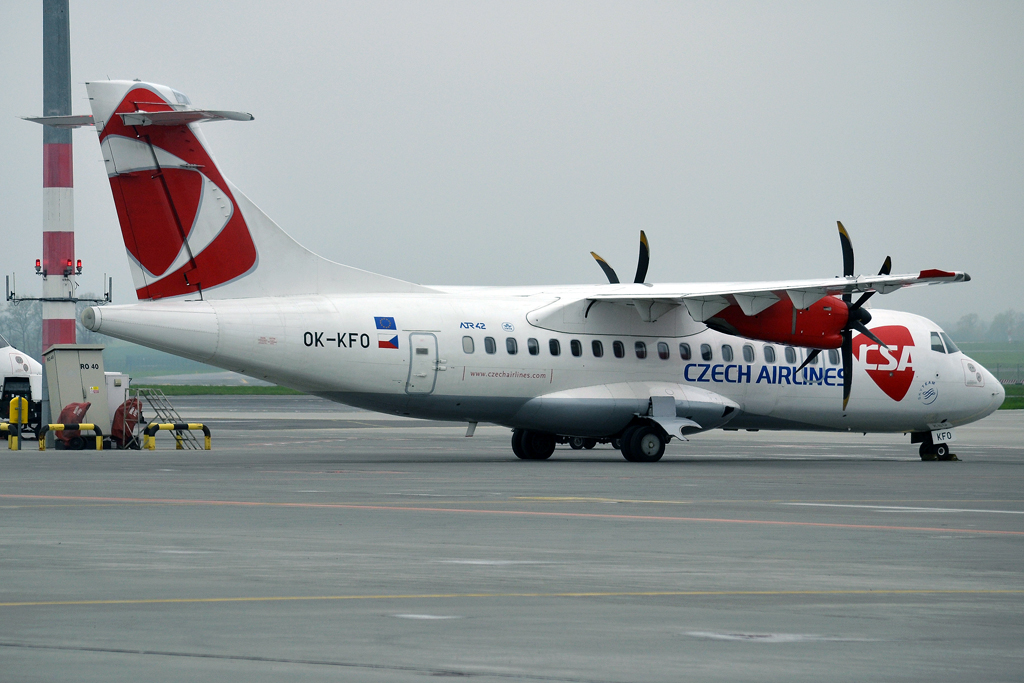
[
  {"x": 625, "y": 443},
  {"x": 647, "y": 445},
  {"x": 942, "y": 452},
  {"x": 589, "y": 443},
  {"x": 517, "y": 443},
  {"x": 577, "y": 443},
  {"x": 533, "y": 445}
]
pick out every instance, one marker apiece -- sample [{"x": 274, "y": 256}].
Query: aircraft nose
[{"x": 998, "y": 392}]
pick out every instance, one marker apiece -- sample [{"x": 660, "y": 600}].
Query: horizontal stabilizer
[
  {"x": 70, "y": 121},
  {"x": 181, "y": 117}
]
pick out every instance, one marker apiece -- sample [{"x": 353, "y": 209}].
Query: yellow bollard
[{"x": 19, "y": 416}]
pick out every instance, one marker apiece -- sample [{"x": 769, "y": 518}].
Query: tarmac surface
[{"x": 316, "y": 542}]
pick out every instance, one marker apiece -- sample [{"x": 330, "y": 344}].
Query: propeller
[
  {"x": 643, "y": 262},
  {"x": 857, "y": 316}
]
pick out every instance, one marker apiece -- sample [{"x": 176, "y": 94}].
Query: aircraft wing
[{"x": 705, "y": 300}]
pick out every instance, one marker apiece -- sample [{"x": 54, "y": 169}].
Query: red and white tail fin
[{"x": 188, "y": 231}]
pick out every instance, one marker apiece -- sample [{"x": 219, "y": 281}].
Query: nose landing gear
[{"x": 939, "y": 451}]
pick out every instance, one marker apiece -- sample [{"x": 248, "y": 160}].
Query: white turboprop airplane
[{"x": 633, "y": 364}]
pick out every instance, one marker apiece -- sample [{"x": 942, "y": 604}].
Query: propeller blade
[
  {"x": 608, "y": 271},
  {"x": 844, "y": 239},
  {"x": 860, "y": 327},
  {"x": 860, "y": 302},
  {"x": 886, "y": 267},
  {"x": 884, "y": 270},
  {"x": 810, "y": 359},
  {"x": 644, "y": 260},
  {"x": 847, "y": 366}
]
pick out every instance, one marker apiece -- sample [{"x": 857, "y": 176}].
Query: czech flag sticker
[{"x": 387, "y": 341}]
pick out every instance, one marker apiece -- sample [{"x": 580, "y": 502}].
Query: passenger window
[
  {"x": 950, "y": 346},
  {"x": 489, "y": 345},
  {"x": 576, "y": 347},
  {"x": 533, "y": 346},
  {"x": 705, "y": 351},
  {"x": 641, "y": 349},
  {"x": 467, "y": 344},
  {"x": 833, "y": 357},
  {"x": 512, "y": 346},
  {"x": 597, "y": 347},
  {"x": 748, "y": 353},
  {"x": 554, "y": 347},
  {"x": 663, "y": 352},
  {"x": 790, "y": 354},
  {"x": 937, "y": 343},
  {"x": 814, "y": 361},
  {"x": 726, "y": 353},
  {"x": 619, "y": 349},
  {"x": 769, "y": 353},
  {"x": 684, "y": 351}
]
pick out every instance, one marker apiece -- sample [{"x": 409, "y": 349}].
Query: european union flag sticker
[
  {"x": 385, "y": 324},
  {"x": 387, "y": 341}
]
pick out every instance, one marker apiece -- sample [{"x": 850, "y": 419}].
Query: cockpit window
[
  {"x": 950, "y": 346},
  {"x": 3, "y": 342},
  {"x": 937, "y": 343}
]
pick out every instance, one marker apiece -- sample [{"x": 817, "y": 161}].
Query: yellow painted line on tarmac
[{"x": 457, "y": 596}]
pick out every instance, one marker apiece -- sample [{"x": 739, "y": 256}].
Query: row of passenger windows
[{"x": 640, "y": 349}]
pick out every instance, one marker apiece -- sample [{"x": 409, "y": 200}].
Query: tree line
[{"x": 1007, "y": 326}]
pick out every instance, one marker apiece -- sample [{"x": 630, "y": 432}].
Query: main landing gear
[
  {"x": 578, "y": 443},
  {"x": 643, "y": 442},
  {"x": 529, "y": 445}
]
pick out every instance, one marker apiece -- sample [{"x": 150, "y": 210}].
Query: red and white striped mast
[{"x": 58, "y": 262}]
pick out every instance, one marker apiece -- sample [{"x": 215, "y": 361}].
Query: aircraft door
[{"x": 422, "y": 364}]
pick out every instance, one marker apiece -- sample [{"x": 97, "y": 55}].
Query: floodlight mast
[{"x": 58, "y": 267}]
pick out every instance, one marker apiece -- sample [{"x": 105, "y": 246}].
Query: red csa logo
[{"x": 891, "y": 368}]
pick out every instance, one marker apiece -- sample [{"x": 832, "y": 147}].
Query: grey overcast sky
[{"x": 498, "y": 143}]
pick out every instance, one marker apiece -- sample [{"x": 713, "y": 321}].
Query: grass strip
[{"x": 1014, "y": 397}]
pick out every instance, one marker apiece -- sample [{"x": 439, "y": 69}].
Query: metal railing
[
  {"x": 166, "y": 414},
  {"x": 149, "y": 436}
]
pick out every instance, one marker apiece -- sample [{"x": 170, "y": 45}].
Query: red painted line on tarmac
[{"x": 524, "y": 513}]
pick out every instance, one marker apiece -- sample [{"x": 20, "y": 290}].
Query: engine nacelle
[{"x": 818, "y": 327}]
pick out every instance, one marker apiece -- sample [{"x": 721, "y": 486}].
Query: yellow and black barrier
[
  {"x": 19, "y": 418},
  {"x": 149, "y": 435},
  {"x": 87, "y": 426}
]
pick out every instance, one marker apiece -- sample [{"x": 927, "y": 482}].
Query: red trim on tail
[{"x": 157, "y": 209}]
